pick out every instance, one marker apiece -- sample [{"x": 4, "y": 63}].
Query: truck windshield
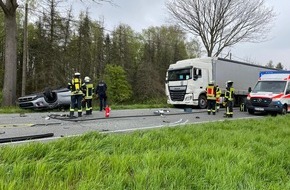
[
  {"x": 181, "y": 74},
  {"x": 270, "y": 86}
]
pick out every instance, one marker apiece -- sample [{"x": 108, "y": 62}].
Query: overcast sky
[{"x": 141, "y": 14}]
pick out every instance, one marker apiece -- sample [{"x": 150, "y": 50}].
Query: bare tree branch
[
  {"x": 223, "y": 23},
  {"x": 4, "y": 8}
]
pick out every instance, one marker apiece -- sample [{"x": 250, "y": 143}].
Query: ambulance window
[{"x": 288, "y": 89}]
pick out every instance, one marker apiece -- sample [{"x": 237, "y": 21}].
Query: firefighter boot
[
  {"x": 87, "y": 112},
  {"x": 91, "y": 111},
  {"x": 79, "y": 114},
  {"x": 71, "y": 114}
]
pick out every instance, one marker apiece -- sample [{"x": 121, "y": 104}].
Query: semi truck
[
  {"x": 186, "y": 80},
  {"x": 271, "y": 94}
]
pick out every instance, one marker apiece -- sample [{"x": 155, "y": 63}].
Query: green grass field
[{"x": 241, "y": 154}]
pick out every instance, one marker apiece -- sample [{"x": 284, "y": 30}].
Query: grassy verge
[
  {"x": 244, "y": 154},
  {"x": 13, "y": 109}
]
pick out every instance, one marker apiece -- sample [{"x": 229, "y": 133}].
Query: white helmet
[
  {"x": 87, "y": 79},
  {"x": 77, "y": 74}
]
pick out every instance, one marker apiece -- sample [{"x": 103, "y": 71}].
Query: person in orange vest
[
  {"x": 76, "y": 94},
  {"x": 211, "y": 98}
]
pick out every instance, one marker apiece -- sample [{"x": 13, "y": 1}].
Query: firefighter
[
  {"x": 218, "y": 95},
  {"x": 76, "y": 94},
  {"x": 211, "y": 98},
  {"x": 101, "y": 93},
  {"x": 88, "y": 91},
  {"x": 229, "y": 99}
]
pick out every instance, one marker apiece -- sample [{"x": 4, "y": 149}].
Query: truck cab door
[{"x": 200, "y": 76}]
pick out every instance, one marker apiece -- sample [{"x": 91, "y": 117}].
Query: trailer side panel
[{"x": 243, "y": 75}]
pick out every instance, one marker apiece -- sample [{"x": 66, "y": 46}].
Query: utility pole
[{"x": 25, "y": 51}]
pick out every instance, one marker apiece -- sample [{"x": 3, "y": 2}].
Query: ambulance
[{"x": 271, "y": 93}]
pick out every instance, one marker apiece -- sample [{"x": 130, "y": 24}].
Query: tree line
[
  {"x": 59, "y": 45},
  {"x": 134, "y": 64}
]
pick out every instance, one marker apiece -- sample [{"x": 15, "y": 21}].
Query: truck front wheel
[{"x": 202, "y": 103}]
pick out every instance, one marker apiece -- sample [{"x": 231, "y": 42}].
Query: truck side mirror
[{"x": 249, "y": 89}]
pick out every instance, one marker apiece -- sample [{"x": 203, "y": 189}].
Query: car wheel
[
  {"x": 250, "y": 111},
  {"x": 202, "y": 103},
  {"x": 48, "y": 93},
  {"x": 49, "y": 96},
  {"x": 284, "y": 110}
]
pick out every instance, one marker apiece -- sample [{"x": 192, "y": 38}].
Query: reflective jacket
[
  {"x": 211, "y": 92},
  {"x": 75, "y": 86},
  {"x": 229, "y": 95},
  {"x": 88, "y": 90},
  {"x": 218, "y": 92}
]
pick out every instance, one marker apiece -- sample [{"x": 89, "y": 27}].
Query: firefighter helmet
[
  {"x": 87, "y": 79},
  {"x": 77, "y": 74},
  {"x": 211, "y": 82}
]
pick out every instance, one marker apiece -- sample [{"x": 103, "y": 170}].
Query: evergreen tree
[
  {"x": 270, "y": 64},
  {"x": 279, "y": 66}
]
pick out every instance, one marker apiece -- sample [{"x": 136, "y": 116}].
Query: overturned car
[{"x": 48, "y": 99}]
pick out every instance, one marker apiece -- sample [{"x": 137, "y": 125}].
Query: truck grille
[
  {"x": 177, "y": 95},
  {"x": 261, "y": 102}
]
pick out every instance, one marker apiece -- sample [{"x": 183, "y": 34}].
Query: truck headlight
[{"x": 188, "y": 98}]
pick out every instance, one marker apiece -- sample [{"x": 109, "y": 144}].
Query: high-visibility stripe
[{"x": 89, "y": 91}]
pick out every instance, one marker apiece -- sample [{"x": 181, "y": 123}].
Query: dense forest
[{"x": 133, "y": 64}]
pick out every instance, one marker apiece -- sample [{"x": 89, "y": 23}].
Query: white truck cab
[{"x": 271, "y": 94}]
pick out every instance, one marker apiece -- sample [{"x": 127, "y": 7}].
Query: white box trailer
[{"x": 186, "y": 80}]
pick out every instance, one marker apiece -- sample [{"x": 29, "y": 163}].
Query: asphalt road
[{"x": 57, "y": 124}]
